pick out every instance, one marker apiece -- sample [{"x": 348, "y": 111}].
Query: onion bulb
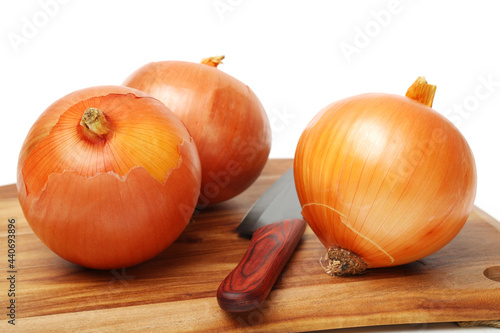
[
  {"x": 383, "y": 180},
  {"x": 108, "y": 177},
  {"x": 224, "y": 116}
]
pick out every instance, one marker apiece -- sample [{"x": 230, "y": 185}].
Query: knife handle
[{"x": 248, "y": 285}]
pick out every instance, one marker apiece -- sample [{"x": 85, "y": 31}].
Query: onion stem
[
  {"x": 95, "y": 122},
  {"x": 421, "y": 91},
  {"x": 212, "y": 61}
]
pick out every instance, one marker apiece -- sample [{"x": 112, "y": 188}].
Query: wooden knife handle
[{"x": 248, "y": 285}]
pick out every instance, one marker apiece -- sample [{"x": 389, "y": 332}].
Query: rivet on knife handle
[{"x": 248, "y": 285}]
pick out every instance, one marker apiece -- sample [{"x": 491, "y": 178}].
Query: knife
[{"x": 276, "y": 228}]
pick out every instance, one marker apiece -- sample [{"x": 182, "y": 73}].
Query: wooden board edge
[
  {"x": 487, "y": 218},
  {"x": 8, "y": 191},
  {"x": 165, "y": 316}
]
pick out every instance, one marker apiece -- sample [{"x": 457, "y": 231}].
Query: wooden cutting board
[{"x": 176, "y": 290}]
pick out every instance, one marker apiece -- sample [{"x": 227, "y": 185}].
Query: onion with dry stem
[
  {"x": 226, "y": 119},
  {"x": 383, "y": 179},
  {"x": 108, "y": 177}
]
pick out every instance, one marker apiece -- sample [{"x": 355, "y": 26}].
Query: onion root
[{"x": 343, "y": 262}]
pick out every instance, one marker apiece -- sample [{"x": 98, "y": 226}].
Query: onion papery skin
[
  {"x": 384, "y": 177},
  {"x": 112, "y": 201},
  {"x": 224, "y": 116}
]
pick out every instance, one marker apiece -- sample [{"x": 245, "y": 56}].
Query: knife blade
[
  {"x": 274, "y": 220},
  {"x": 281, "y": 194}
]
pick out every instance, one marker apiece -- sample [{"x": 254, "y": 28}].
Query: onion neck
[
  {"x": 421, "y": 91},
  {"x": 343, "y": 262},
  {"x": 94, "y": 122},
  {"x": 213, "y": 61}
]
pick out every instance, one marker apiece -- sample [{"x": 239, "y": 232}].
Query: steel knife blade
[
  {"x": 279, "y": 202},
  {"x": 276, "y": 227}
]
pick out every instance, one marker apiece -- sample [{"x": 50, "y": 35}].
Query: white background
[{"x": 289, "y": 52}]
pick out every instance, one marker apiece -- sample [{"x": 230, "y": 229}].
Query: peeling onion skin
[
  {"x": 224, "y": 116},
  {"x": 114, "y": 201},
  {"x": 384, "y": 177}
]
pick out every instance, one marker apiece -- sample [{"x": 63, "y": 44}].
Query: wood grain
[
  {"x": 249, "y": 283},
  {"x": 176, "y": 291}
]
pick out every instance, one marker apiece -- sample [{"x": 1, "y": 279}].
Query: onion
[
  {"x": 224, "y": 116},
  {"x": 108, "y": 177},
  {"x": 383, "y": 180}
]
